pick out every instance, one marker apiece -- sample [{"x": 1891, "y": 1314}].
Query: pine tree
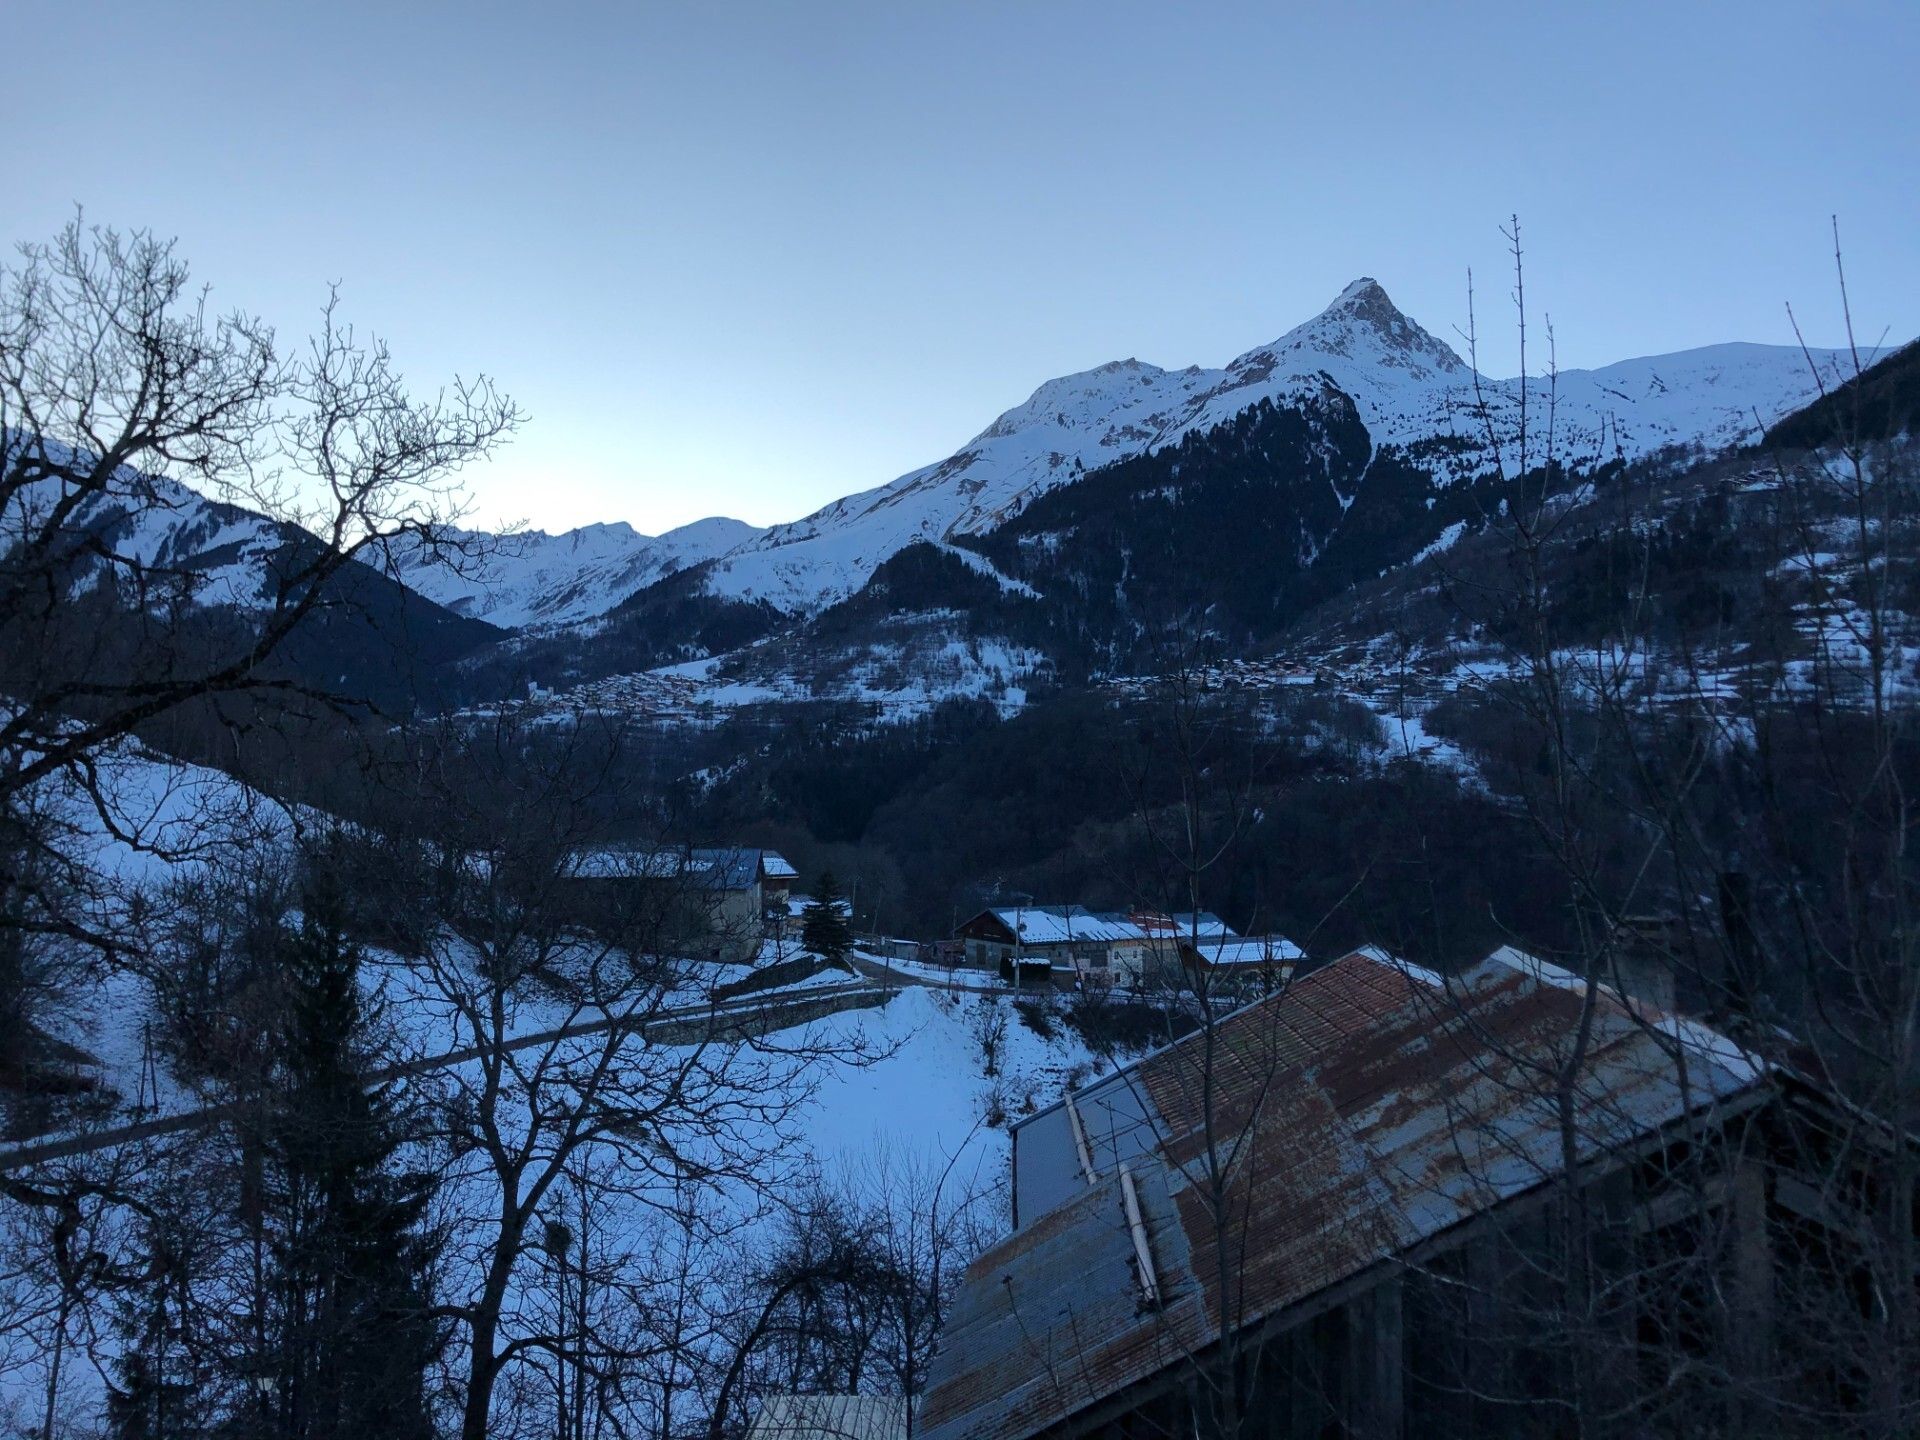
[
  {"x": 156, "y": 1392},
  {"x": 824, "y": 927},
  {"x": 349, "y": 1335}
]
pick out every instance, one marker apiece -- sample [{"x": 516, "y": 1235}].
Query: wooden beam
[{"x": 1374, "y": 1395}]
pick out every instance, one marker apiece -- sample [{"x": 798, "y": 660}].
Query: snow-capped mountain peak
[
  {"x": 1364, "y": 326},
  {"x": 1406, "y": 385},
  {"x": 535, "y": 578}
]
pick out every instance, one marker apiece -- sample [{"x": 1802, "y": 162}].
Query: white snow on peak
[
  {"x": 1406, "y": 385},
  {"x": 517, "y": 579},
  {"x": 222, "y": 551},
  {"x": 536, "y": 578}
]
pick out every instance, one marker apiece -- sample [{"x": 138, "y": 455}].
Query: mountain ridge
[
  {"x": 522, "y": 579},
  {"x": 1410, "y": 388}
]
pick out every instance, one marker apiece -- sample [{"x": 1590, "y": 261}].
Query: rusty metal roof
[{"x": 1364, "y": 1109}]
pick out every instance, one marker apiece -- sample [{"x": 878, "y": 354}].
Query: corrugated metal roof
[
  {"x": 830, "y": 1417},
  {"x": 1204, "y": 924},
  {"x": 1073, "y": 924},
  {"x": 1253, "y": 950},
  {"x": 1066, "y": 924},
  {"x": 1373, "y": 1107},
  {"x": 1117, "y": 1121}
]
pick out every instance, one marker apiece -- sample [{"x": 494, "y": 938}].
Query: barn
[{"x": 1341, "y": 1211}]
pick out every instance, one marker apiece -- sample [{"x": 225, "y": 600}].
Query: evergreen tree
[
  {"x": 825, "y": 929},
  {"x": 157, "y": 1392},
  {"x": 348, "y": 1334}
]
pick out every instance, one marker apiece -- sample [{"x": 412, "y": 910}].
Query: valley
[{"x": 718, "y": 967}]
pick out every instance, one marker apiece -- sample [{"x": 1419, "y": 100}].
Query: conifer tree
[
  {"x": 824, "y": 926},
  {"x": 349, "y": 1334},
  {"x": 155, "y": 1393}
]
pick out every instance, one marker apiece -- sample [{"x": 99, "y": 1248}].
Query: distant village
[{"x": 752, "y": 907}]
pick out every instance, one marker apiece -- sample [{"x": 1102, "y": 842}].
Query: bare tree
[
  {"x": 1726, "y": 808},
  {"x": 137, "y": 428},
  {"x": 118, "y": 389},
  {"x": 596, "y": 1082},
  {"x": 852, "y": 1293}
]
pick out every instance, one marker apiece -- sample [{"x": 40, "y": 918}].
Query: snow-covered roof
[
  {"x": 774, "y": 866},
  {"x": 1252, "y": 950},
  {"x": 1073, "y": 924},
  {"x": 1067, "y": 924},
  {"x": 1206, "y": 925},
  {"x": 726, "y": 869}
]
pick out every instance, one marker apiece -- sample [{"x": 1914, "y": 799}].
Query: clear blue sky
[{"x": 743, "y": 259}]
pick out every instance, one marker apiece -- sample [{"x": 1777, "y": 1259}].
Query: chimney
[{"x": 1646, "y": 955}]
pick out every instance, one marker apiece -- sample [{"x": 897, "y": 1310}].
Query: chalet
[
  {"x": 1372, "y": 1266},
  {"x": 1068, "y": 943},
  {"x": 701, "y": 902},
  {"x": 1242, "y": 963},
  {"x": 1062, "y": 938},
  {"x": 1098, "y": 948}
]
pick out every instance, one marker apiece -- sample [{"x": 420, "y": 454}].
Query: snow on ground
[
  {"x": 1408, "y": 738},
  {"x": 930, "y": 1096},
  {"x": 903, "y": 1086},
  {"x": 1444, "y": 541},
  {"x": 929, "y": 1091},
  {"x": 149, "y": 819},
  {"x": 900, "y": 680},
  {"x": 980, "y": 565}
]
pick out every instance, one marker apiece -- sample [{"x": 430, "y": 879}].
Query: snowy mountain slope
[
  {"x": 1407, "y": 386},
  {"x": 218, "y": 553},
  {"x": 536, "y": 578},
  {"x": 221, "y": 553}
]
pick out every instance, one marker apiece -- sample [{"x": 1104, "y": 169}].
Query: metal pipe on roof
[
  {"x": 1143, "y": 1257},
  {"x": 1080, "y": 1141}
]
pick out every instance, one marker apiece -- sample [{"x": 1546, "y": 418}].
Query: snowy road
[{"x": 759, "y": 1006}]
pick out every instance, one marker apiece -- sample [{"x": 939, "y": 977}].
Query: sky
[{"x": 744, "y": 259}]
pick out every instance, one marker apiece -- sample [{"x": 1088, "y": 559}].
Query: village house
[
  {"x": 1366, "y": 1269},
  {"x": 703, "y": 903},
  {"x": 1241, "y": 964},
  {"x": 1071, "y": 944}
]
